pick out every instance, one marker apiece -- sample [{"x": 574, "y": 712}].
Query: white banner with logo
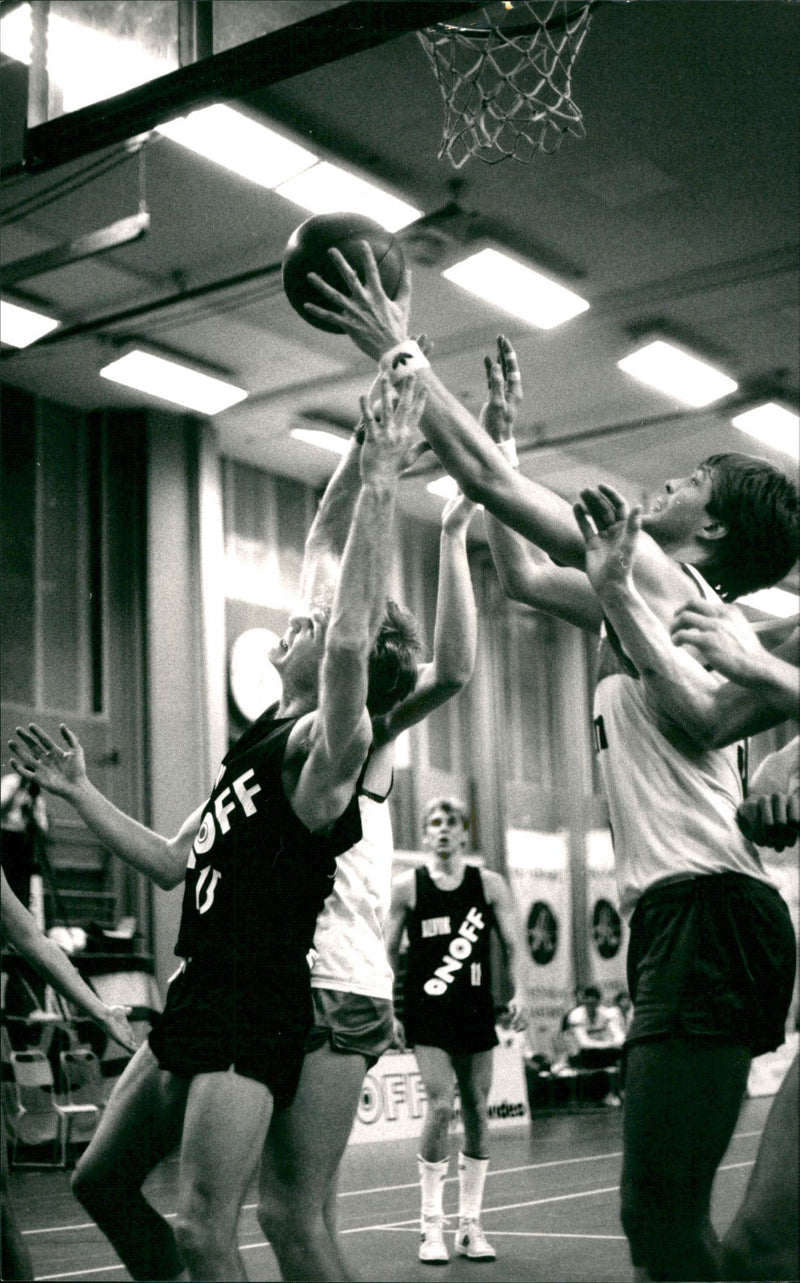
[
  {"x": 608, "y": 934},
  {"x": 392, "y": 1102},
  {"x": 538, "y": 870}
]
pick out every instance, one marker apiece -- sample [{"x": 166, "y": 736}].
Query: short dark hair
[
  {"x": 393, "y": 663},
  {"x": 591, "y": 991},
  {"x": 758, "y": 503}
]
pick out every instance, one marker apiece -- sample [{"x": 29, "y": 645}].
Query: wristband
[
  {"x": 508, "y": 449},
  {"x": 402, "y": 360}
]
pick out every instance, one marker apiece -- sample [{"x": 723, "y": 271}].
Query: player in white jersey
[
  {"x": 351, "y": 978},
  {"x": 711, "y": 957}
]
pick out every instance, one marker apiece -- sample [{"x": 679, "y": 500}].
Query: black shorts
[
  {"x": 209, "y": 1025},
  {"x": 712, "y": 957},
  {"x": 464, "y": 1037},
  {"x": 351, "y": 1023}
]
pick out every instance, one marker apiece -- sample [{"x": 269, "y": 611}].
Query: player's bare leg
[
  {"x": 226, "y": 1120},
  {"x": 140, "y": 1126},
  {"x": 298, "y": 1181}
]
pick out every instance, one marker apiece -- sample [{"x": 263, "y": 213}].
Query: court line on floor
[
  {"x": 395, "y": 1226},
  {"x": 389, "y": 1189}
]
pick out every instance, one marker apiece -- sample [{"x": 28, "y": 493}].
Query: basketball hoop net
[{"x": 506, "y": 84}]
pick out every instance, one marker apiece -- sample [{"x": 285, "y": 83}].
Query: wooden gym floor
[{"x": 550, "y": 1208}]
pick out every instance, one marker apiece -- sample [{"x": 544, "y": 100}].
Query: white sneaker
[
  {"x": 431, "y": 1242},
  {"x": 473, "y": 1243}
]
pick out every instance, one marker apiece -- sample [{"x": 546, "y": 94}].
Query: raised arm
[
  {"x": 341, "y": 730},
  {"x": 455, "y": 635},
  {"x": 526, "y": 573},
  {"x": 55, "y": 967},
  {"x": 327, "y": 537},
  {"x": 379, "y": 327},
  {"x": 711, "y": 711},
  {"x": 60, "y": 768},
  {"x": 509, "y": 929},
  {"x": 728, "y": 644}
]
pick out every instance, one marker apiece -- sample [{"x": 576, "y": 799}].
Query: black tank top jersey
[
  {"x": 448, "y": 990},
  {"x": 257, "y": 877}
]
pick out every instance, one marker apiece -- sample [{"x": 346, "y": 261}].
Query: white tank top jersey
[
  {"x": 349, "y": 951},
  {"x": 672, "y": 807}
]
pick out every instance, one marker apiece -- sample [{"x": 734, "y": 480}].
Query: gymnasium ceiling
[{"x": 676, "y": 214}]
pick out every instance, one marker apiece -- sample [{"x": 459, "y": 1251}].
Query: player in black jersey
[
  {"x": 449, "y": 910},
  {"x": 258, "y": 860}
]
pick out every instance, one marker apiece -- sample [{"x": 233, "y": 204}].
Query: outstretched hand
[
  {"x": 610, "y": 531},
  {"x": 721, "y": 634},
  {"x": 116, "y": 1025},
  {"x": 374, "y": 322},
  {"x": 499, "y": 412},
  {"x": 388, "y": 433},
  {"x": 517, "y": 1011},
  {"x": 58, "y": 768}
]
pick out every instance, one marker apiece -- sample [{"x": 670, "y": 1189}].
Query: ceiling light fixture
[
  {"x": 517, "y": 289},
  {"x": 667, "y": 368},
  {"x": 774, "y": 425},
  {"x": 178, "y": 384},
  {"x": 19, "y": 326},
  {"x": 321, "y": 440},
  {"x": 240, "y": 144},
  {"x": 327, "y": 189}
]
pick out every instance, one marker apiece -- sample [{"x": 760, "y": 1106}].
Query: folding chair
[
  {"x": 37, "y": 1117},
  {"x": 82, "y": 1074}
]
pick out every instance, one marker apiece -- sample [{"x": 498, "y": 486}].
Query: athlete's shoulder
[{"x": 495, "y": 886}]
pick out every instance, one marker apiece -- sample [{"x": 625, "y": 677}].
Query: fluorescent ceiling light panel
[
  {"x": 773, "y": 601},
  {"x": 322, "y": 440},
  {"x": 327, "y": 189},
  {"x": 171, "y": 382},
  {"x": 19, "y": 326},
  {"x": 679, "y": 375},
  {"x": 774, "y": 425},
  {"x": 517, "y": 289},
  {"x": 239, "y": 144},
  {"x": 443, "y": 487}
]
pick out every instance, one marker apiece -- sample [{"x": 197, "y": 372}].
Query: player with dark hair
[
  {"x": 448, "y": 910},
  {"x": 712, "y": 950},
  {"x": 258, "y": 861},
  {"x": 351, "y": 978}
]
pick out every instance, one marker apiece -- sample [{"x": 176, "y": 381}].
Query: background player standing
[{"x": 449, "y": 909}]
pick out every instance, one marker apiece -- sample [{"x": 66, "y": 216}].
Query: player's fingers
[
  {"x": 600, "y": 508},
  {"x": 487, "y": 365},
  {"x": 497, "y": 389},
  {"x": 368, "y": 418},
  {"x": 68, "y": 735},
  {"x": 689, "y": 637},
  {"x": 49, "y": 745},
  {"x": 511, "y": 370},
  {"x": 29, "y": 743},
  {"x": 414, "y": 453},
  {"x": 323, "y": 313},
  {"x": 585, "y": 524},
  {"x": 617, "y": 501},
  {"x": 402, "y": 298}
]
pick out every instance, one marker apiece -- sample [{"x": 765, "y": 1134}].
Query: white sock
[
  {"x": 431, "y": 1178},
  {"x": 471, "y": 1179}
]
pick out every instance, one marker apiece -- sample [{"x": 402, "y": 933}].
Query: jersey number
[
  {"x": 475, "y": 973},
  {"x": 206, "y": 889}
]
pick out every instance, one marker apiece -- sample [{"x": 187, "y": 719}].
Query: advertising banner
[
  {"x": 392, "y": 1102},
  {"x": 538, "y": 870},
  {"x": 608, "y": 934}
]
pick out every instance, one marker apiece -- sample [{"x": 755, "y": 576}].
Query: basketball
[{"x": 307, "y": 251}]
